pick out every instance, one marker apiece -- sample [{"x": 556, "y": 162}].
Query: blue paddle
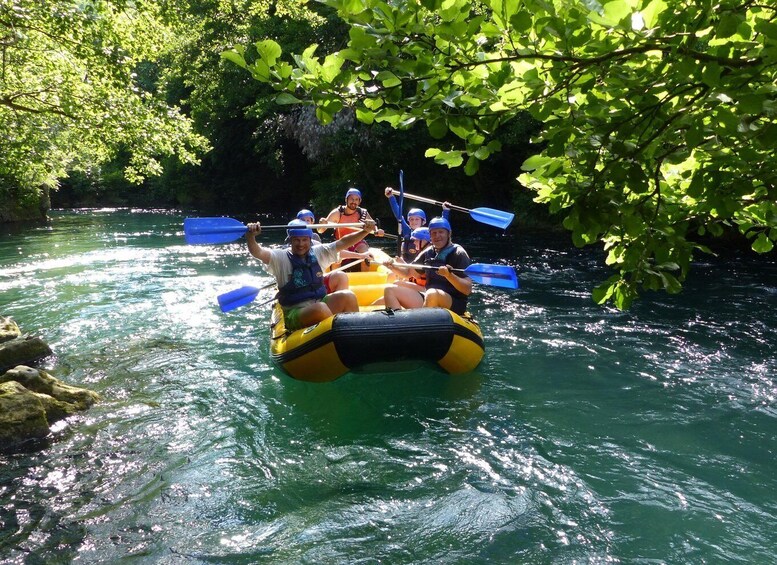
[
  {"x": 224, "y": 230},
  {"x": 483, "y": 273},
  {"x": 240, "y": 296},
  {"x": 490, "y": 216},
  {"x": 246, "y": 294}
]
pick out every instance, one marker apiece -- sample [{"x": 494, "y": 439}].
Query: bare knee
[
  {"x": 314, "y": 313},
  {"x": 437, "y": 298},
  {"x": 338, "y": 281},
  {"x": 343, "y": 301}
]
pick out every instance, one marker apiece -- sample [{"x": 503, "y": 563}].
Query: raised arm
[
  {"x": 406, "y": 231},
  {"x": 261, "y": 253}
]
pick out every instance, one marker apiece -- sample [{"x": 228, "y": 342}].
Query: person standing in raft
[
  {"x": 349, "y": 213},
  {"x": 299, "y": 272},
  {"x": 444, "y": 288}
]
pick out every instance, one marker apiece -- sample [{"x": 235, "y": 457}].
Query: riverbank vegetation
[{"x": 645, "y": 126}]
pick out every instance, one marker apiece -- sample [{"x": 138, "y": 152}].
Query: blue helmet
[
  {"x": 421, "y": 233},
  {"x": 302, "y": 231},
  {"x": 305, "y": 213},
  {"x": 416, "y": 212},
  {"x": 353, "y": 192},
  {"x": 440, "y": 223}
]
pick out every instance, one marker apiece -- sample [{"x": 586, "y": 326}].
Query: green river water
[{"x": 586, "y": 435}]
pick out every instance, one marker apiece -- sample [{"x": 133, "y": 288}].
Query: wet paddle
[
  {"x": 246, "y": 294},
  {"x": 490, "y": 216},
  {"x": 483, "y": 273},
  {"x": 240, "y": 296},
  {"x": 224, "y": 230}
]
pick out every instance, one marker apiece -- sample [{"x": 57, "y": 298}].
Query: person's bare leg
[
  {"x": 397, "y": 297},
  {"x": 313, "y": 314},
  {"x": 338, "y": 281},
  {"x": 436, "y": 297},
  {"x": 342, "y": 301}
]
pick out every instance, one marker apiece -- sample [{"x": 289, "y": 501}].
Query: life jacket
[
  {"x": 409, "y": 252},
  {"x": 432, "y": 258},
  {"x": 360, "y": 215},
  {"x": 306, "y": 282},
  {"x": 407, "y": 248}
]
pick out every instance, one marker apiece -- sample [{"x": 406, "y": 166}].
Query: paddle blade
[
  {"x": 212, "y": 230},
  {"x": 236, "y": 298},
  {"x": 494, "y": 275},
  {"x": 496, "y": 218}
]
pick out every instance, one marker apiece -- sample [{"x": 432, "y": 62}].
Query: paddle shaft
[
  {"x": 423, "y": 267},
  {"x": 431, "y": 201},
  {"x": 472, "y": 271}
]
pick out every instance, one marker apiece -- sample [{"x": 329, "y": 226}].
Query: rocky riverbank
[{"x": 31, "y": 400}]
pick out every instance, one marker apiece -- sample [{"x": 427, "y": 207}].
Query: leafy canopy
[
  {"x": 659, "y": 115},
  {"x": 70, "y": 97}
]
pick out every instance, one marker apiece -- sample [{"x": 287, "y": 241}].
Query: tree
[
  {"x": 69, "y": 93},
  {"x": 658, "y": 115}
]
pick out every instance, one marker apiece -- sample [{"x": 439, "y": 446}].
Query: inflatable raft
[{"x": 376, "y": 339}]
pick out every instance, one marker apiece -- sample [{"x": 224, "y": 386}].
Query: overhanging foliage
[
  {"x": 659, "y": 115},
  {"x": 69, "y": 93}
]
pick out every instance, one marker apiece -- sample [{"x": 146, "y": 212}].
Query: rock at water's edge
[
  {"x": 8, "y": 329},
  {"x": 22, "y": 351},
  {"x": 31, "y": 400},
  {"x": 22, "y": 415}
]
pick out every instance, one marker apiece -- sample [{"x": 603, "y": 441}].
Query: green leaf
[
  {"x": 652, "y": 11},
  {"x": 603, "y": 292},
  {"x": 521, "y": 21},
  {"x": 268, "y": 50},
  {"x": 331, "y": 67},
  {"x": 472, "y": 166},
  {"x": 728, "y": 24},
  {"x": 437, "y": 128},
  {"x": 286, "y": 98},
  {"x": 388, "y": 79},
  {"x": 762, "y": 244},
  {"x": 694, "y": 136},
  {"x": 460, "y": 126},
  {"x": 711, "y": 74},
  {"x": 535, "y": 162},
  {"x": 235, "y": 57},
  {"x": 360, "y": 39},
  {"x": 769, "y": 29},
  {"x": 365, "y": 116},
  {"x": 751, "y": 103},
  {"x": 449, "y": 158}
]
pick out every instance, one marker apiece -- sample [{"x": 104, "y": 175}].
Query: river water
[{"x": 586, "y": 435}]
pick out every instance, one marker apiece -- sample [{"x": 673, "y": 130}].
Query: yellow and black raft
[{"x": 376, "y": 339}]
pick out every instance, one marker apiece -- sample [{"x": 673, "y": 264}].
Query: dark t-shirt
[{"x": 456, "y": 258}]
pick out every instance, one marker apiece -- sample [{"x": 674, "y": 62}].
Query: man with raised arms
[{"x": 299, "y": 272}]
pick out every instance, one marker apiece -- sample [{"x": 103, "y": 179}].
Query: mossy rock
[
  {"x": 21, "y": 351},
  {"x": 22, "y": 415},
  {"x": 30, "y": 396},
  {"x": 8, "y": 329}
]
